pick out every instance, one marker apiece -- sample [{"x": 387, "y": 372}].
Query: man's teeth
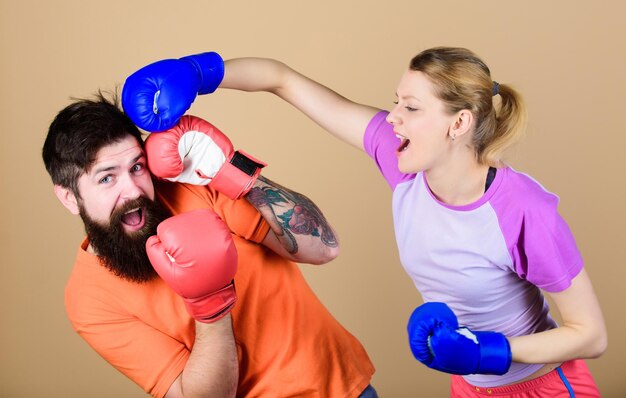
[{"x": 132, "y": 217}]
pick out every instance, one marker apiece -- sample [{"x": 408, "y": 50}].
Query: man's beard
[{"x": 124, "y": 253}]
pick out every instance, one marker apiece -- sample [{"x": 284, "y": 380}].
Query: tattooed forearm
[
  {"x": 292, "y": 212},
  {"x": 289, "y": 241},
  {"x": 259, "y": 198}
]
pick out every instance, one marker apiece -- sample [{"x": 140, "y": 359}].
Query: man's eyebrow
[
  {"x": 141, "y": 155},
  {"x": 111, "y": 168},
  {"x": 103, "y": 169}
]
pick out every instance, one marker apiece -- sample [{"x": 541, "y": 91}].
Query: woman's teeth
[{"x": 404, "y": 143}]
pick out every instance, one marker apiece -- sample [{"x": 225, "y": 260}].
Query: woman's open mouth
[{"x": 403, "y": 144}]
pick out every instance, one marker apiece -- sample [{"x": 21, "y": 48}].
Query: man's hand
[
  {"x": 195, "y": 254},
  {"x": 196, "y": 152}
]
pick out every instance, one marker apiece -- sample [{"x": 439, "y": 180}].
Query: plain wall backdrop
[{"x": 566, "y": 58}]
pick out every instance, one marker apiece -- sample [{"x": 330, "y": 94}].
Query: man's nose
[{"x": 131, "y": 190}]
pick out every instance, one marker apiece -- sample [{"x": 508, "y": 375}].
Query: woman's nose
[{"x": 393, "y": 117}]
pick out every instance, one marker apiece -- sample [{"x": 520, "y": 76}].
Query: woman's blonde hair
[{"x": 463, "y": 81}]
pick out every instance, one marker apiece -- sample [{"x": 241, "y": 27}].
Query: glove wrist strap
[
  {"x": 213, "y": 307},
  {"x": 495, "y": 353},
  {"x": 237, "y": 177}
]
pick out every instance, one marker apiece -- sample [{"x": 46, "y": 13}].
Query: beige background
[{"x": 567, "y": 58}]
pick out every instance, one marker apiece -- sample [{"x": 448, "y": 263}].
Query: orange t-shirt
[{"x": 288, "y": 343}]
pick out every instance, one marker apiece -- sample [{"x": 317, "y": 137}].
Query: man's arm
[
  {"x": 212, "y": 369},
  {"x": 194, "y": 254},
  {"x": 299, "y": 230},
  {"x": 196, "y": 152}
]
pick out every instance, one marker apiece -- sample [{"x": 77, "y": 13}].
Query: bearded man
[{"x": 190, "y": 288}]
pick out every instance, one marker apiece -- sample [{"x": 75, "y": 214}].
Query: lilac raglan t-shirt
[{"x": 487, "y": 260}]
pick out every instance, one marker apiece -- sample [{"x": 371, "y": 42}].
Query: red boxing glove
[
  {"x": 196, "y": 152},
  {"x": 195, "y": 255}
]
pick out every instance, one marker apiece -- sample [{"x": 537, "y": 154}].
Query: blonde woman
[{"x": 482, "y": 242}]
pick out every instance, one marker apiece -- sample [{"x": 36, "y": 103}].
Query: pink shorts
[{"x": 571, "y": 379}]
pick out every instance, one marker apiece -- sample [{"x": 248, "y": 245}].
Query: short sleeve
[
  {"x": 141, "y": 329},
  {"x": 381, "y": 143},
  {"x": 540, "y": 243},
  {"x": 546, "y": 253},
  {"x": 145, "y": 355},
  {"x": 552, "y": 257},
  {"x": 242, "y": 218}
]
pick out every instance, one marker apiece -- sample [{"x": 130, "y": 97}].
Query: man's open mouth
[{"x": 133, "y": 217}]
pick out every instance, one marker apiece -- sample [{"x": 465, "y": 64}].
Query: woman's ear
[
  {"x": 67, "y": 198},
  {"x": 462, "y": 123}
]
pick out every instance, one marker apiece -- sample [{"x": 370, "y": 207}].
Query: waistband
[{"x": 524, "y": 386}]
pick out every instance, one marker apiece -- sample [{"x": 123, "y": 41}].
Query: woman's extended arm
[{"x": 338, "y": 115}]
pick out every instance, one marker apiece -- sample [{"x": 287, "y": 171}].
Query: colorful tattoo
[{"x": 304, "y": 218}]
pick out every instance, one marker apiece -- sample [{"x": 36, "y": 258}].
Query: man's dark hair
[{"x": 78, "y": 132}]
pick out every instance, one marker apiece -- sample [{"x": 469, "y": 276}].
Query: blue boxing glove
[
  {"x": 156, "y": 96},
  {"x": 423, "y": 322},
  {"x": 438, "y": 342}
]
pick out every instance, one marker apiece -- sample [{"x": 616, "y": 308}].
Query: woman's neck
[{"x": 458, "y": 183}]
